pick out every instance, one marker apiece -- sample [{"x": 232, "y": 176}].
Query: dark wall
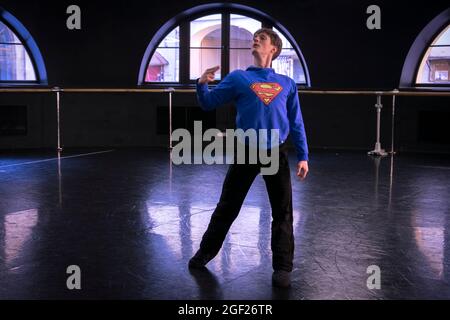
[{"x": 338, "y": 48}]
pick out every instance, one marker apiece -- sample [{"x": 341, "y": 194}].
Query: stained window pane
[
  {"x": 439, "y": 52},
  {"x": 286, "y": 43},
  {"x": 172, "y": 40},
  {"x": 242, "y": 29},
  {"x": 438, "y": 65},
  {"x": 289, "y": 64},
  {"x": 444, "y": 38},
  {"x": 435, "y": 67},
  {"x": 240, "y": 59},
  {"x": 207, "y": 31},
  {"x": 164, "y": 66},
  {"x": 15, "y": 63},
  {"x": 6, "y": 35},
  {"x": 202, "y": 59}
]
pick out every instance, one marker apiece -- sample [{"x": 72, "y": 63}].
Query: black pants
[{"x": 238, "y": 181}]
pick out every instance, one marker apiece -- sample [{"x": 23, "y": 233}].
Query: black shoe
[
  {"x": 281, "y": 278},
  {"x": 199, "y": 260}
]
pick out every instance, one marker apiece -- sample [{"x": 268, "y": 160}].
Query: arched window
[
  {"x": 435, "y": 65},
  {"x": 428, "y": 61},
  {"x": 20, "y": 59},
  {"x": 210, "y": 35}
]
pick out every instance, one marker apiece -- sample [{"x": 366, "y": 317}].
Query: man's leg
[
  {"x": 280, "y": 196},
  {"x": 237, "y": 182}
]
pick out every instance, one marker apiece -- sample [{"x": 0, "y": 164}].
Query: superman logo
[{"x": 266, "y": 91}]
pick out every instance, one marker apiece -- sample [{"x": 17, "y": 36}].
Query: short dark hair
[{"x": 275, "y": 40}]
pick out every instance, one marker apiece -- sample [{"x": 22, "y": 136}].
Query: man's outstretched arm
[{"x": 223, "y": 93}]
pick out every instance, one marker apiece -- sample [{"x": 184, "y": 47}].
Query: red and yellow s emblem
[{"x": 266, "y": 91}]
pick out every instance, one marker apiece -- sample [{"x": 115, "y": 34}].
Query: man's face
[{"x": 262, "y": 45}]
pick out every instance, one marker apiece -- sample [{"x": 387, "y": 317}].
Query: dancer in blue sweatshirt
[{"x": 264, "y": 100}]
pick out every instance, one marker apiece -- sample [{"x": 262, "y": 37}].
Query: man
[{"x": 264, "y": 100}]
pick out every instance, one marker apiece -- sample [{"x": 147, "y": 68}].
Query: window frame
[
  {"x": 31, "y": 48},
  {"x": 422, "y": 57},
  {"x": 417, "y": 51}
]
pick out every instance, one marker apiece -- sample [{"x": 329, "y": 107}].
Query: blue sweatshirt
[{"x": 264, "y": 100}]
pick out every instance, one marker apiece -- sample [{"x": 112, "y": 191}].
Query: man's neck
[{"x": 262, "y": 62}]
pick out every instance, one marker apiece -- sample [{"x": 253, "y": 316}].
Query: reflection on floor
[{"x": 131, "y": 221}]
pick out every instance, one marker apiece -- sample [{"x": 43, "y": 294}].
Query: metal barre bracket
[
  {"x": 171, "y": 91},
  {"x": 378, "y": 151},
  {"x": 58, "y": 90}
]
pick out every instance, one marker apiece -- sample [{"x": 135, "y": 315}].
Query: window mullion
[
  {"x": 225, "y": 51},
  {"x": 184, "y": 52}
]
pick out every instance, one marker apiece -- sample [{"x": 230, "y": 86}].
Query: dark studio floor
[{"x": 131, "y": 222}]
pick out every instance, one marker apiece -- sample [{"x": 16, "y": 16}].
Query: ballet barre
[{"x": 377, "y": 151}]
